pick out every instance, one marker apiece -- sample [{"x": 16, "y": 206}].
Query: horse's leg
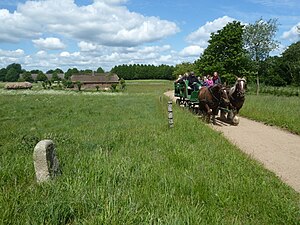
[
  {"x": 209, "y": 111},
  {"x": 214, "y": 119},
  {"x": 223, "y": 114},
  {"x": 230, "y": 115}
]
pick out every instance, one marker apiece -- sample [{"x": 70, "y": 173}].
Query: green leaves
[
  {"x": 225, "y": 52},
  {"x": 259, "y": 38}
]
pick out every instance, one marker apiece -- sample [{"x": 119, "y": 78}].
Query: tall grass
[
  {"x": 122, "y": 165},
  {"x": 277, "y": 91},
  {"x": 280, "y": 111}
]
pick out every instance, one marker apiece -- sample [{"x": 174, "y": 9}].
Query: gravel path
[{"x": 276, "y": 149}]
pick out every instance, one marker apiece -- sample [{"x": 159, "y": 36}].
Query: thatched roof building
[{"x": 97, "y": 78}]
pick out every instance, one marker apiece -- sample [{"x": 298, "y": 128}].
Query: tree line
[
  {"x": 14, "y": 72},
  {"x": 141, "y": 71}
]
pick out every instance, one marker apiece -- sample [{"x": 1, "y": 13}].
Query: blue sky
[{"x": 49, "y": 34}]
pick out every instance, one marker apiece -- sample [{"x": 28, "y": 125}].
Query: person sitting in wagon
[
  {"x": 194, "y": 83},
  {"x": 216, "y": 78},
  {"x": 209, "y": 81}
]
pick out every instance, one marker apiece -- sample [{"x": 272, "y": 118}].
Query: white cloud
[
  {"x": 201, "y": 36},
  {"x": 15, "y": 53},
  {"x": 87, "y": 46},
  {"x": 15, "y": 25},
  {"x": 293, "y": 34},
  {"x": 103, "y": 22},
  {"x": 104, "y": 56},
  {"x": 11, "y": 56},
  {"x": 50, "y": 43},
  {"x": 192, "y": 50}
]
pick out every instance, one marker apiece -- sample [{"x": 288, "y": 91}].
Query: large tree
[
  {"x": 259, "y": 41},
  {"x": 41, "y": 77},
  {"x": 224, "y": 53},
  {"x": 16, "y": 66},
  {"x": 12, "y": 75},
  {"x": 3, "y": 73},
  {"x": 70, "y": 72},
  {"x": 100, "y": 70},
  {"x": 27, "y": 77},
  {"x": 182, "y": 68},
  {"x": 291, "y": 62}
]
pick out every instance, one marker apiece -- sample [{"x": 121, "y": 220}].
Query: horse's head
[{"x": 240, "y": 86}]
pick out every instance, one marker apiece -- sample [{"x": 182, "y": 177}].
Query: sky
[{"x": 87, "y": 34}]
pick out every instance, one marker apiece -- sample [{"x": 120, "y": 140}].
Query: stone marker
[
  {"x": 46, "y": 164},
  {"x": 170, "y": 114}
]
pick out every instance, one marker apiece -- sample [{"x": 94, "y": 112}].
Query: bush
[
  {"x": 123, "y": 84},
  {"x": 79, "y": 84},
  {"x": 113, "y": 87},
  {"x": 68, "y": 84}
]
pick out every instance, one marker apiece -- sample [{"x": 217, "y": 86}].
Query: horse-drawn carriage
[
  {"x": 208, "y": 101},
  {"x": 187, "y": 96}
]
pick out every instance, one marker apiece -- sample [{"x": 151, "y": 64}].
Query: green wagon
[{"x": 186, "y": 95}]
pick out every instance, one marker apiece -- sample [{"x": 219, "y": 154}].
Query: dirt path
[{"x": 277, "y": 150}]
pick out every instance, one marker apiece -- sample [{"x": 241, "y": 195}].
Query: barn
[{"x": 101, "y": 80}]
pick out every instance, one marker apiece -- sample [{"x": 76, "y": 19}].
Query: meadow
[
  {"x": 121, "y": 164},
  {"x": 274, "y": 110}
]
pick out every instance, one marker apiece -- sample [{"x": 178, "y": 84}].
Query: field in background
[
  {"x": 277, "y": 91},
  {"x": 122, "y": 165},
  {"x": 280, "y": 111}
]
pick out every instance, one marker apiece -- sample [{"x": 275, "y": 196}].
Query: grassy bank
[
  {"x": 280, "y": 111},
  {"x": 122, "y": 165}
]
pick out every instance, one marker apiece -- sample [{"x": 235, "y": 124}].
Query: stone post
[
  {"x": 170, "y": 114},
  {"x": 46, "y": 164}
]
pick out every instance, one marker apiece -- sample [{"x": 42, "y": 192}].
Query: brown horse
[
  {"x": 236, "y": 96},
  {"x": 210, "y": 98}
]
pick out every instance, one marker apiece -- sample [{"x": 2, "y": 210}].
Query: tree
[
  {"x": 27, "y": 77},
  {"x": 16, "y": 66},
  {"x": 224, "y": 53},
  {"x": 100, "y": 70},
  {"x": 3, "y": 73},
  {"x": 259, "y": 41},
  {"x": 273, "y": 73},
  {"x": 49, "y": 71},
  {"x": 122, "y": 83},
  {"x": 55, "y": 77},
  {"x": 35, "y": 71},
  {"x": 41, "y": 77},
  {"x": 291, "y": 62},
  {"x": 182, "y": 68},
  {"x": 12, "y": 75},
  {"x": 70, "y": 72}
]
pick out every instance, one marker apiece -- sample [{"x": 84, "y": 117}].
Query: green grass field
[
  {"x": 280, "y": 111},
  {"x": 122, "y": 164}
]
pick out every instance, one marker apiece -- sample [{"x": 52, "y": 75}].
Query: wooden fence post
[{"x": 170, "y": 114}]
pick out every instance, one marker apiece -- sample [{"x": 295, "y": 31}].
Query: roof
[{"x": 96, "y": 78}]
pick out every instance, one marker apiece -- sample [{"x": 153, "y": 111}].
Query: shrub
[
  {"x": 79, "y": 84},
  {"x": 113, "y": 87}
]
